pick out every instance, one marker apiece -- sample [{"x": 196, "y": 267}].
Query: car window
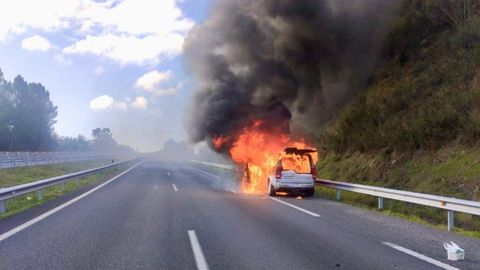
[{"x": 297, "y": 163}]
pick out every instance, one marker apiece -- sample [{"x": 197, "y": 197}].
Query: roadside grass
[
  {"x": 30, "y": 200},
  {"x": 415, "y": 213},
  {"x": 21, "y": 175}
]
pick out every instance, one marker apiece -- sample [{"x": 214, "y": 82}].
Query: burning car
[{"x": 294, "y": 172}]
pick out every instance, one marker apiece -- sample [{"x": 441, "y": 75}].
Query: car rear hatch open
[{"x": 297, "y": 166}]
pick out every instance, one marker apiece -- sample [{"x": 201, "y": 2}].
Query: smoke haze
[{"x": 290, "y": 63}]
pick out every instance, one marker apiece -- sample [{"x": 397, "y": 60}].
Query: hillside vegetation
[{"x": 417, "y": 125}]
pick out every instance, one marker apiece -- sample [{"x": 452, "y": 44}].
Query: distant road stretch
[{"x": 173, "y": 216}]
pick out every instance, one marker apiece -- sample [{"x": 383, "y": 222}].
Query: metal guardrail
[
  {"x": 21, "y": 159},
  {"x": 38, "y": 186},
  {"x": 222, "y": 166},
  {"x": 450, "y": 204}
]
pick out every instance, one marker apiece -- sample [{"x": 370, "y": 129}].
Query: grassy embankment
[{"x": 416, "y": 126}]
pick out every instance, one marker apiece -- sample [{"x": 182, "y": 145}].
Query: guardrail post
[
  {"x": 62, "y": 186},
  {"x": 338, "y": 194},
  {"x": 3, "y": 206},
  {"x": 380, "y": 203},
  {"x": 451, "y": 220},
  {"x": 39, "y": 195}
]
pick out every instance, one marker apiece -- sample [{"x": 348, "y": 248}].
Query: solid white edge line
[
  {"x": 197, "y": 251},
  {"x": 60, "y": 207},
  {"x": 296, "y": 207},
  {"x": 174, "y": 187},
  {"x": 216, "y": 176},
  {"x": 420, "y": 256}
]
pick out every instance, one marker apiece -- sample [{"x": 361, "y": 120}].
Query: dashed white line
[
  {"x": 174, "y": 187},
  {"x": 197, "y": 251},
  {"x": 207, "y": 173},
  {"x": 420, "y": 256},
  {"x": 296, "y": 207},
  {"x": 60, "y": 207}
]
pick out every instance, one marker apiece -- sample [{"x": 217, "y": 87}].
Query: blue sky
[{"x": 113, "y": 63}]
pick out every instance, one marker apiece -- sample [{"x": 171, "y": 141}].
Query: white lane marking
[
  {"x": 296, "y": 207},
  {"x": 420, "y": 256},
  {"x": 60, "y": 207},
  {"x": 216, "y": 176},
  {"x": 197, "y": 251},
  {"x": 174, "y": 187}
]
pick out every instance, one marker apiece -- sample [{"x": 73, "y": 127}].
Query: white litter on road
[{"x": 454, "y": 252}]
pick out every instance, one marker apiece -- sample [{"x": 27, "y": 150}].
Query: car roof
[{"x": 294, "y": 150}]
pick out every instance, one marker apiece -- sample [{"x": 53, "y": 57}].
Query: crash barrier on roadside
[
  {"x": 38, "y": 186},
  {"x": 21, "y": 159},
  {"x": 451, "y": 205},
  {"x": 221, "y": 166}
]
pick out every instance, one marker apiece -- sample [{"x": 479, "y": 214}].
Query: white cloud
[
  {"x": 62, "y": 60},
  {"x": 141, "y": 32},
  {"x": 36, "y": 43},
  {"x": 48, "y": 15},
  {"x": 102, "y": 102},
  {"x": 99, "y": 70},
  {"x": 129, "y": 49},
  {"x": 140, "y": 103},
  {"x": 105, "y": 102},
  {"x": 154, "y": 31},
  {"x": 151, "y": 80},
  {"x": 121, "y": 105}
]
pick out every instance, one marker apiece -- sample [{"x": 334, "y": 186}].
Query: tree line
[{"x": 27, "y": 116}]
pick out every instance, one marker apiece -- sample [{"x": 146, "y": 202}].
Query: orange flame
[
  {"x": 219, "y": 141},
  {"x": 260, "y": 150}
]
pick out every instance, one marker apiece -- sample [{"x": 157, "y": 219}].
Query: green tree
[
  {"x": 5, "y": 113},
  {"x": 103, "y": 140},
  {"x": 33, "y": 117},
  {"x": 79, "y": 143}
]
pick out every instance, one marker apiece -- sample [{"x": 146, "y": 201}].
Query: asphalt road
[{"x": 174, "y": 216}]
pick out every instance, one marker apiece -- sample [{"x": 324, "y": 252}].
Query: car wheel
[
  {"x": 310, "y": 192},
  {"x": 271, "y": 190}
]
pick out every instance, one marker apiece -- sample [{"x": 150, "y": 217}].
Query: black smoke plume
[{"x": 291, "y": 63}]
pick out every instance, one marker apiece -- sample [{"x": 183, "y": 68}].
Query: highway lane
[{"x": 142, "y": 219}]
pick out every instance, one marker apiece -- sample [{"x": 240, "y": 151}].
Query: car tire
[
  {"x": 310, "y": 192},
  {"x": 271, "y": 190}
]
